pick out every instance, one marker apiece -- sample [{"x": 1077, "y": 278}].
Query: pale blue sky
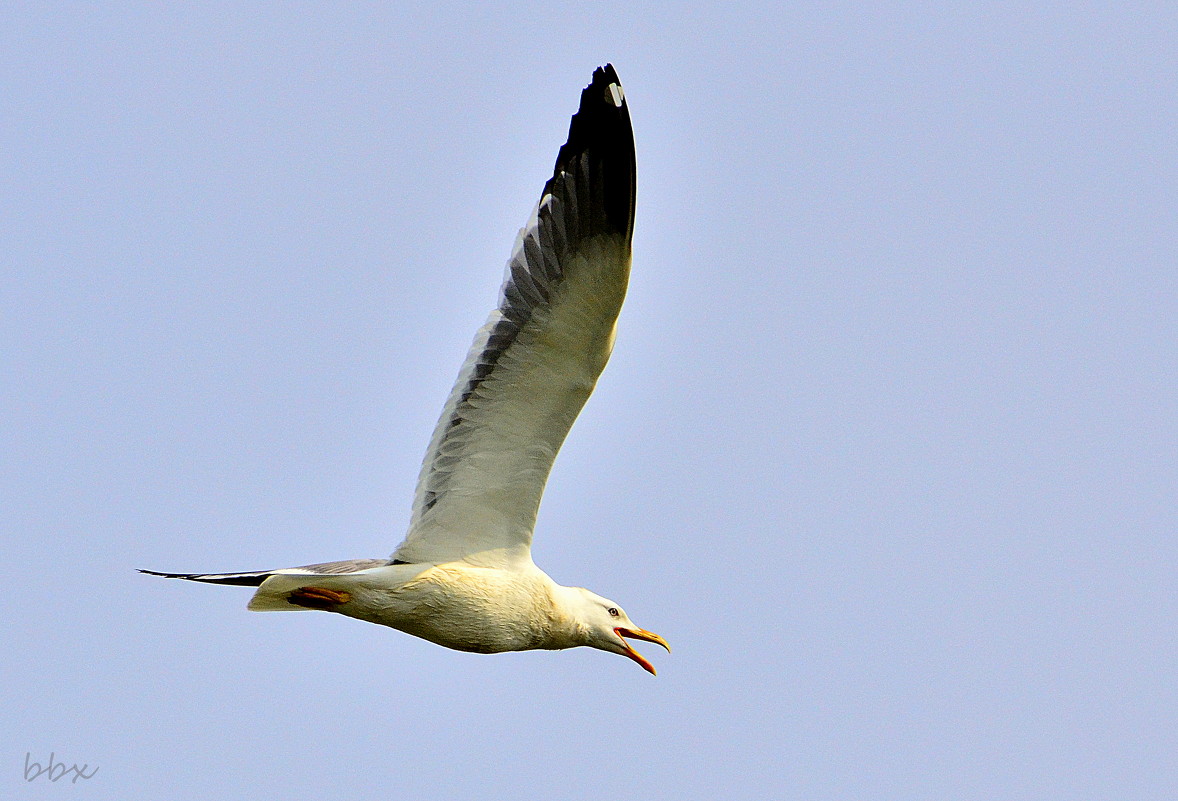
[{"x": 887, "y": 448}]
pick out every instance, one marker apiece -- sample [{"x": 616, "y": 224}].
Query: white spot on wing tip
[{"x": 615, "y": 93}]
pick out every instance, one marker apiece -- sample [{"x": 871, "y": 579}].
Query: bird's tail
[{"x": 275, "y": 586}]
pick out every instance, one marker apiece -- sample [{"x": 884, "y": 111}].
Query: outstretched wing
[{"x": 534, "y": 363}]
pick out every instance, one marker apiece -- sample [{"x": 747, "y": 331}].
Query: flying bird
[{"x": 464, "y": 576}]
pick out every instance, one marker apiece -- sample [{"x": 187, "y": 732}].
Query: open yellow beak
[{"x": 641, "y": 634}]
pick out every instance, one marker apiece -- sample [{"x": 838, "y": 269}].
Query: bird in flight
[{"x": 464, "y": 576}]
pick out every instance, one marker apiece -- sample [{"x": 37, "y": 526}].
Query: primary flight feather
[{"x": 464, "y": 577}]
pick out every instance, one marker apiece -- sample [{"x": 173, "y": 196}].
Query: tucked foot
[{"x": 318, "y": 597}]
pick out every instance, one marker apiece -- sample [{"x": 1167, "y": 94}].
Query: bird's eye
[{"x": 613, "y": 611}]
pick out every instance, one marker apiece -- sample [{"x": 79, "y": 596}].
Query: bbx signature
[{"x": 54, "y": 770}]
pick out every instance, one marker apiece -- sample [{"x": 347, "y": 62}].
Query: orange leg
[{"x": 318, "y": 597}]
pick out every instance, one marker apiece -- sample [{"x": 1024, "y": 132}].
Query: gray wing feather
[{"x": 537, "y": 358}]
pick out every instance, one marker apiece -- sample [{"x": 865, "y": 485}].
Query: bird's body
[
  {"x": 459, "y": 605},
  {"x": 463, "y": 577}
]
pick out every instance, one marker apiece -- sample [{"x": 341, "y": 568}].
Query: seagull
[{"x": 464, "y": 577}]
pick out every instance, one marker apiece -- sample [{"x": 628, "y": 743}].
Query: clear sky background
[{"x": 887, "y": 448}]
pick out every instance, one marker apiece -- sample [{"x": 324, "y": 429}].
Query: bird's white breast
[{"x": 487, "y": 610}]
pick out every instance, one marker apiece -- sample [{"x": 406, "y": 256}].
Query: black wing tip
[
  {"x": 165, "y": 575},
  {"x": 233, "y": 579},
  {"x": 602, "y": 119},
  {"x": 601, "y": 128},
  {"x": 605, "y": 75}
]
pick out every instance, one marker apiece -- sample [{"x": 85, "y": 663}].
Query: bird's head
[{"x": 605, "y": 625}]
